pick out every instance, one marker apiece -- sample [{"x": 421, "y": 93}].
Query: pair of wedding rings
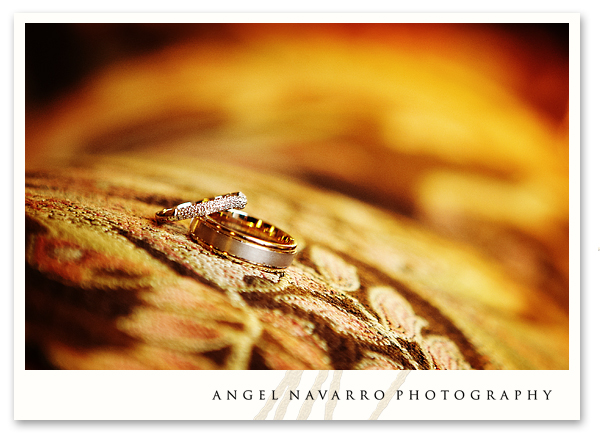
[{"x": 220, "y": 227}]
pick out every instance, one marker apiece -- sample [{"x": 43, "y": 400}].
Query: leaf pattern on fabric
[
  {"x": 339, "y": 320},
  {"x": 445, "y": 353},
  {"x": 289, "y": 343},
  {"x": 337, "y": 272},
  {"x": 396, "y": 312},
  {"x": 180, "y": 332}
]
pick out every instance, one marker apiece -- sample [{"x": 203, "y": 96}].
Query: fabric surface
[
  {"x": 108, "y": 287},
  {"x": 428, "y": 190}
]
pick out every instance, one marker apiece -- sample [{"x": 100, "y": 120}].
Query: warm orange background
[{"x": 461, "y": 127}]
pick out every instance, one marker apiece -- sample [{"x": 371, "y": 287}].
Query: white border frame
[{"x": 183, "y": 395}]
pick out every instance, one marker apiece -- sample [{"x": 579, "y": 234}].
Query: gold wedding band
[
  {"x": 234, "y": 200},
  {"x": 235, "y": 234}
]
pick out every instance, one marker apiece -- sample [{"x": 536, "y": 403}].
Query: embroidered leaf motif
[
  {"x": 446, "y": 354},
  {"x": 179, "y": 332},
  {"x": 337, "y": 272},
  {"x": 395, "y": 311},
  {"x": 304, "y": 278},
  {"x": 76, "y": 263},
  {"x": 339, "y": 320},
  {"x": 288, "y": 343}
]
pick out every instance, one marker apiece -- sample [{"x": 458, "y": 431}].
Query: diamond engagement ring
[{"x": 234, "y": 200}]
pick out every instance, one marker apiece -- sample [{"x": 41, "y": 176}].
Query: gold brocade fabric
[{"x": 428, "y": 191}]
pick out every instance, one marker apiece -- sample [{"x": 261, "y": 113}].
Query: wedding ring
[
  {"x": 234, "y": 200},
  {"x": 235, "y": 234}
]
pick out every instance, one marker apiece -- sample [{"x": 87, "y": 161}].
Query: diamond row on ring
[{"x": 204, "y": 207}]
